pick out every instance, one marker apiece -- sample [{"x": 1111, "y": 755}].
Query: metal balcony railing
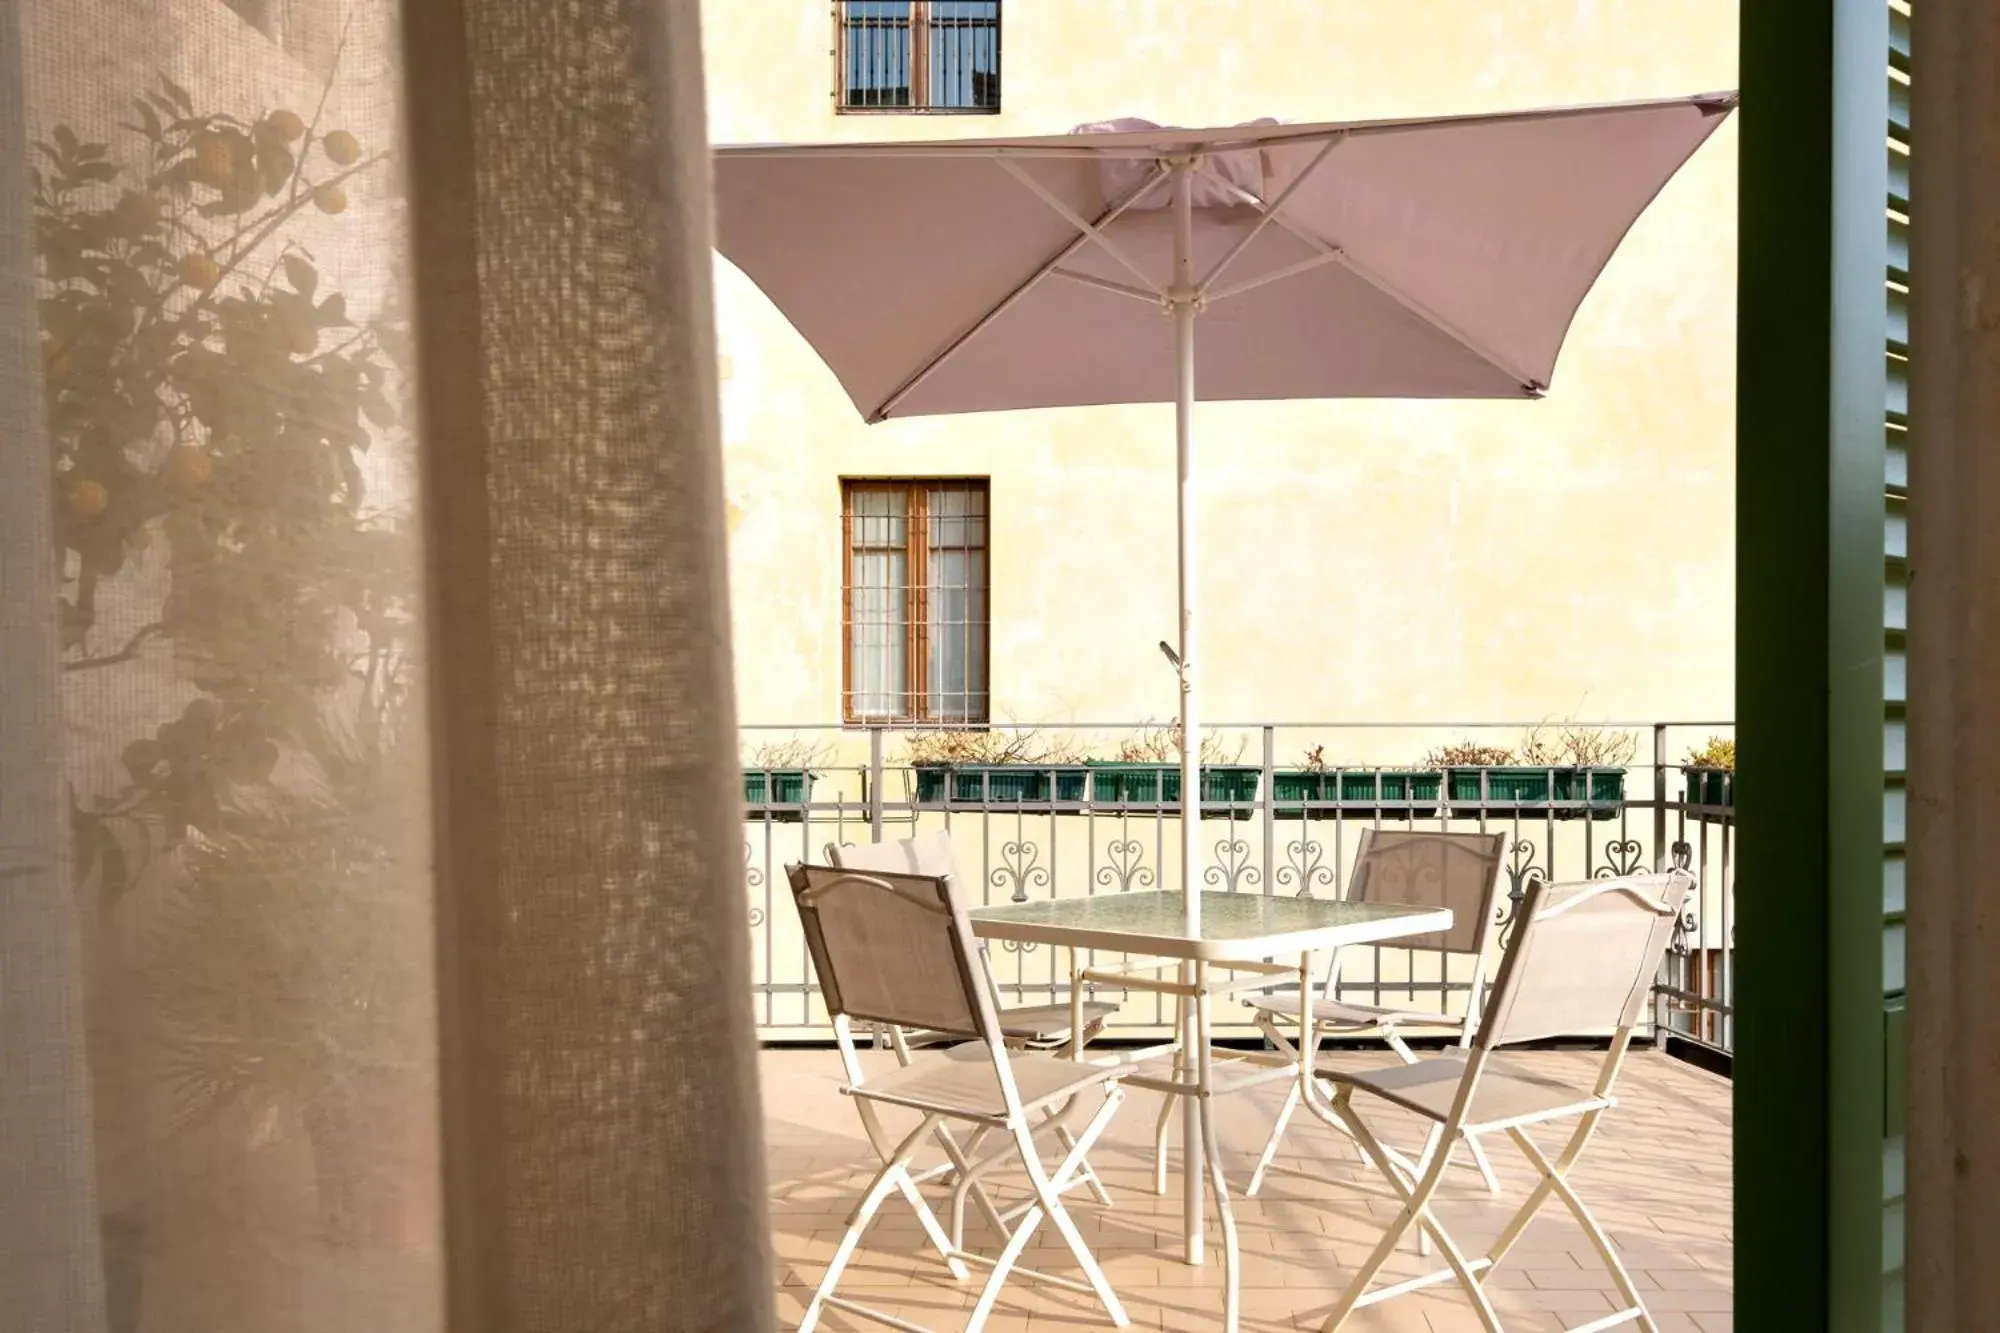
[{"x": 1030, "y": 818}]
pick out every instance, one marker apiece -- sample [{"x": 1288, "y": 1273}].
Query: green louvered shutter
[{"x": 1894, "y": 674}]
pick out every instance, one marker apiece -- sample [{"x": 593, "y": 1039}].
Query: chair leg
[
  {"x": 1537, "y": 1196},
  {"x": 1088, "y": 1175},
  {"x": 1431, "y": 1142},
  {"x": 1085, "y": 1172},
  {"x": 1478, "y": 1153},
  {"x": 1606, "y": 1253},
  {"x": 1218, "y": 1183},
  {"x": 1270, "y": 1152},
  {"x": 1049, "y": 1191},
  {"x": 893, "y": 1176},
  {"x": 1480, "y": 1160},
  {"x": 1416, "y": 1213},
  {"x": 959, "y": 1157},
  {"x": 1047, "y": 1205},
  {"x": 946, "y": 1246},
  {"x": 955, "y": 1157},
  {"x": 968, "y": 1183},
  {"x": 1080, "y": 1037},
  {"x": 1009, "y": 1256},
  {"x": 1167, "y": 1101},
  {"x": 1284, "y": 1046}
]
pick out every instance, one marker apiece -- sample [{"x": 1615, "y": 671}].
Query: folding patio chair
[
  {"x": 898, "y": 949},
  {"x": 1583, "y": 959},
  {"x": 1025, "y": 1027},
  {"x": 1460, "y": 871}
]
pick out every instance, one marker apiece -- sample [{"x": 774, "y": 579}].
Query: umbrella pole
[{"x": 1181, "y": 295}]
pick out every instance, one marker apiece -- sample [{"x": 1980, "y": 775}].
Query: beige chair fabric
[
  {"x": 286, "y": 1047},
  {"x": 1408, "y": 867},
  {"x": 1413, "y": 868},
  {"x": 1581, "y": 963},
  {"x": 1584, "y": 958},
  {"x": 894, "y": 948},
  {"x": 897, "y": 947},
  {"x": 1422, "y": 868},
  {"x": 929, "y": 853}
]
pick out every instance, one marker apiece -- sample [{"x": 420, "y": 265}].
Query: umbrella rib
[
  {"x": 1091, "y": 230},
  {"x": 1106, "y": 284},
  {"x": 1321, "y": 260},
  {"x": 1529, "y": 384},
  {"x": 1269, "y": 211},
  {"x": 905, "y": 152},
  {"x": 1048, "y": 266},
  {"x": 1269, "y": 215},
  {"x": 1330, "y": 253}
]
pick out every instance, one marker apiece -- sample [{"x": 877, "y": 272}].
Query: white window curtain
[
  {"x": 373, "y": 941},
  {"x": 879, "y": 605},
  {"x": 957, "y": 554}
]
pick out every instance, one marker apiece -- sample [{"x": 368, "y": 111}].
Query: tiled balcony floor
[{"x": 1657, "y": 1176}]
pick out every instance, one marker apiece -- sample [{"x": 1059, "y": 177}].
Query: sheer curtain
[{"x": 370, "y": 883}]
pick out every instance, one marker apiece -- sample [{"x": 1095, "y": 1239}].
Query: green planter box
[
  {"x": 1711, "y": 792},
  {"x": 1571, "y": 793},
  {"x": 779, "y": 794},
  {"x": 1337, "y": 793},
  {"x": 1158, "y": 786},
  {"x": 1006, "y": 786}
]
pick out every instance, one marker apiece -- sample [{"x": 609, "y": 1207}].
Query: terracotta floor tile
[{"x": 1657, "y": 1175}]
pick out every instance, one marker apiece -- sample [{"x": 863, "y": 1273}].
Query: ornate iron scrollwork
[
  {"x": 1231, "y": 868},
  {"x": 1305, "y": 865},
  {"x": 1125, "y": 865},
  {"x": 1018, "y": 869},
  {"x": 1522, "y": 872},
  {"x": 753, "y": 878}
]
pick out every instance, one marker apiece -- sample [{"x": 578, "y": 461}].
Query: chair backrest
[
  {"x": 894, "y": 948},
  {"x": 1418, "y": 868},
  {"x": 924, "y": 854},
  {"x": 1583, "y": 958}
]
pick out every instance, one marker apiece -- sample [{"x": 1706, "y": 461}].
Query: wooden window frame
[
  {"x": 920, "y": 66},
  {"x": 917, "y": 609}
]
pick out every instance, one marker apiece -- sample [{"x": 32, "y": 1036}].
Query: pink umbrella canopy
[
  {"x": 1389, "y": 259},
  {"x": 1383, "y": 259}
]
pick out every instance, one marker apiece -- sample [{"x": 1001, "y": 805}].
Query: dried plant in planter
[
  {"x": 988, "y": 749},
  {"x": 795, "y": 753},
  {"x": 1573, "y": 746},
  {"x": 1719, "y": 752},
  {"x": 1161, "y": 744},
  {"x": 1468, "y": 754}
]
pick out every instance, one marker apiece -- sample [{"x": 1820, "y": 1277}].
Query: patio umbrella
[{"x": 1436, "y": 258}]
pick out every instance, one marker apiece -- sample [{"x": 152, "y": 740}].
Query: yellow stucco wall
[{"x": 1361, "y": 561}]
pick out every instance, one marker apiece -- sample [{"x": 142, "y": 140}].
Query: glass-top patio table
[{"x": 1240, "y": 933}]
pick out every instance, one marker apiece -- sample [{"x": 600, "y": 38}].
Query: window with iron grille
[
  {"x": 914, "y": 603},
  {"x": 919, "y": 55}
]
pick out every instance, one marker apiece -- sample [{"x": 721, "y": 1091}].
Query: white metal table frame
[{"x": 1239, "y": 935}]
